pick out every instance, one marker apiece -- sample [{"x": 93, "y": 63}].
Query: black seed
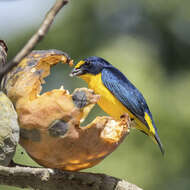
[
  {"x": 58, "y": 128},
  {"x": 79, "y": 99}
]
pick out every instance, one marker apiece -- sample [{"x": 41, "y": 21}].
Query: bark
[{"x": 53, "y": 179}]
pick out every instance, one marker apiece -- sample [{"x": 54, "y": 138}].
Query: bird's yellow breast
[{"x": 108, "y": 102}]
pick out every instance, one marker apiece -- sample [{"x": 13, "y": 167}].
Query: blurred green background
[{"x": 147, "y": 40}]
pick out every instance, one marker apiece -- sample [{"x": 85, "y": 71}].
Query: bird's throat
[{"x": 87, "y": 77}]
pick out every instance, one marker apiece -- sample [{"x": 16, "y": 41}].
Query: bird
[{"x": 118, "y": 95}]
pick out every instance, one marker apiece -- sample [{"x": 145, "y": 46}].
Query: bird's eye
[{"x": 87, "y": 63}]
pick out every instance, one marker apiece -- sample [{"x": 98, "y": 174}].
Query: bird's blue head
[{"x": 91, "y": 65}]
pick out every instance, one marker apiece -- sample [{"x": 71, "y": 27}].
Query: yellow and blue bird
[{"x": 117, "y": 94}]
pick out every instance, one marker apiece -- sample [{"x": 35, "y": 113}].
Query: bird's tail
[
  {"x": 157, "y": 140},
  {"x": 153, "y": 131}
]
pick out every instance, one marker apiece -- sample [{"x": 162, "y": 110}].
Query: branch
[
  {"x": 36, "y": 38},
  {"x": 49, "y": 179}
]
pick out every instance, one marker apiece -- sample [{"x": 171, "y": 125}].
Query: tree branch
[
  {"x": 49, "y": 179},
  {"x": 36, "y": 38}
]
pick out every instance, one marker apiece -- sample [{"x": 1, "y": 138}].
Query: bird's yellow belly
[{"x": 108, "y": 102}]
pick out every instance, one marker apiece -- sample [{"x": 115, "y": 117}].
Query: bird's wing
[{"x": 125, "y": 92}]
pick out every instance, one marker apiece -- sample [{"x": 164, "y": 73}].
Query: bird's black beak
[{"x": 76, "y": 72}]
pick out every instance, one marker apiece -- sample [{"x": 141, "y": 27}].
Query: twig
[
  {"x": 49, "y": 179},
  {"x": 36, "y": 38}
]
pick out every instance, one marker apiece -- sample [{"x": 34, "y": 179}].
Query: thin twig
[
  {"x": 36, "y": 38},
  {"x": 49, "y": 179}
]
